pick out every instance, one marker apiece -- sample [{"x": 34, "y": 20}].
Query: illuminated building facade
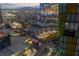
[{"x": 49, "y": 15}]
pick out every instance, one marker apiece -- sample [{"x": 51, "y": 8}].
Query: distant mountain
[
  {"x": 28, "y": 8},
  {"x": 22, "y": 8},
  {"x": 8, "y": 6},
  {"x": 19, "y": 6}
]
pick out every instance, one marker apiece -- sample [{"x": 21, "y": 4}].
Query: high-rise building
[
  {"x": 68, "y": 41},
  {"x": 0, "y": 15},
  {"x": 4, "y": 40},
  {"x": 49, "y": 15}
]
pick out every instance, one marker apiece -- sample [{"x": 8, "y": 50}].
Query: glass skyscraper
[{"x": 68, "y": 41}]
